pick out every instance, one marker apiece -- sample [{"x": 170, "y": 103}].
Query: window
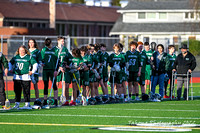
[
  {"x": 192, "y": 15},
  {"x": 141, "y": 15},
  {"x": 151, "y": 15},
  {"x": 187, "y": 15},
  {"x": 162, "y": 15}
]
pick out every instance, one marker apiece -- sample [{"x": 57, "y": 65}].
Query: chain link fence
[{"x": 10, "y": 44}]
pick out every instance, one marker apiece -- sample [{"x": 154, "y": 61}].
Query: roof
[
  {"x": 121, "y": 27},
  {"x": 64, "y": 11},
  {"x": 160, "y": 5}
]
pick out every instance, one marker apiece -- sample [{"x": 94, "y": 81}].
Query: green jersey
[
  {"x": 171, "y": 60},
  {"x": 36, "y": 55},
  {"x": 116, "y": 59},
  {"x": 144, "y": 61},
  {"x": 149, "y": 54},
  {"x": 76, "y": 61},
  {"x": 22, "y": 64},
  {"x": 3, "y": 62},
  {"x": 49, "y": 57},
  {"x": 87, "y": 60},
  {"x": 104, "y": 60},
  {"x": 134, "y": 60},
  {"x": 67, "y": 59},
  {"x": 63, "y": 53}
]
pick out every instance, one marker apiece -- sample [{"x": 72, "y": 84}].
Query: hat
[{"x": 184, "y": 46}]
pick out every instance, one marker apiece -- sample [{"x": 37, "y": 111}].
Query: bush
[{"x": 194, "y": 46}]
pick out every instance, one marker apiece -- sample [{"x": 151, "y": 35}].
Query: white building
[
  {"x": 166, "y": 20},
  {"x": 104, "y": 3}
]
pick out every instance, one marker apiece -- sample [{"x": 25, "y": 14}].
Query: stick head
[
  {"x": 84, "y": 101},
  {"x": 7, "y": 103}
]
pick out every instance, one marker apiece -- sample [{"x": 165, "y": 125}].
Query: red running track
[{"x": 41, "y": 85}]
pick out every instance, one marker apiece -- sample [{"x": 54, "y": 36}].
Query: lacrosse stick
[
  {"x": 83, "y": 98},
  {"x": 62, "y": 97}
]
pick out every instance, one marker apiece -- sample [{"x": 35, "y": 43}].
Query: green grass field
[
  {"x": 84, "y": 119},
  {"x": 108, "y": 118}
]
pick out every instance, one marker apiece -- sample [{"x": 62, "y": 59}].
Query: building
[
  {"x": 32, "y": 18},
  {"x": 164, "y": 20},
  {"x": 103, "y": 3}
]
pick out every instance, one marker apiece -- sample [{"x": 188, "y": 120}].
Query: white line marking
[
  {"x": 103, "y": 116},
  {"x": 170, "y": 104},
  {"x": 134, "y": 109}
]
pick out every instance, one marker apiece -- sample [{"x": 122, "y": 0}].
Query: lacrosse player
[
  {"x": 35, "y": 53},
  {"x": 116, "y": 61},
  {"x": 124, "y": 75},
  {"x": 19, "y": 65},
  {"x": 84, "y": 71},
  {"x": 172, "y": 57},
  {"x": 67, "y": 67},
  {"x": 97, "y": 71},
  {"x": 149, "y": 53},
  {"x": 62, "y": 73},
  {"x": 104, "y": 70},
  {"x": 134, "y": 67},
  {"x": 49, "y": 57},
  {"x": 72, "y": 63},
  {"x": 92, "y": 71},
  {"x": 3, "y": 64},
  {"x": 144, "y": 61}
]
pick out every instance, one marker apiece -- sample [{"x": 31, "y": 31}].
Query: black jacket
[
  {"x": 183, "y": 64},
  {"x": 163, "y": 66}
]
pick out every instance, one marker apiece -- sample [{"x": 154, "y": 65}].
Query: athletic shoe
[
  {"x": 16, "y": 106},
  {"x": 137, "y": 98},
  {"x": 165, "y": 96},
  {"x": 27, "y": 106},
  {"x": 72, "y": 103},
  {"x": 66, "y": 103}
]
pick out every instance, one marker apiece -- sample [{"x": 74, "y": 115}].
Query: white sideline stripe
[
  {"x": 134, "y": 109},
  {"x": 170, "y": 104},
  {"x": 103, "y": 116}
]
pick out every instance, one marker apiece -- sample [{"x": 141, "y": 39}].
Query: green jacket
[{"x": 3, "y": 62}]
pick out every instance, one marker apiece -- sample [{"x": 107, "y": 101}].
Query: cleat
[
  {"x": 16, "y": 106},
  {"x": 66, "y": 103},
  {"x": 72, "y": 103},
  {"x": 165, "y": 96}
]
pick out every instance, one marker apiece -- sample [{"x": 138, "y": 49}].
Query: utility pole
[{"x": 52, "y": 14}]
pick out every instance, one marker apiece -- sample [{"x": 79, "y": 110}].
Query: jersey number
[
  {"x": 49, "y": 58},
  {"x": 19, "y": 66},
  {"x": 132, "y": 62}
]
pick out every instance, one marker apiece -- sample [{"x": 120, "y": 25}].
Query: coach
[
  {"x": 185, "y": 62},
  {"x": 3, "y": 64}
]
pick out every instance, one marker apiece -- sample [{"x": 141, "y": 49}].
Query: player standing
[
  {"x": 20, "y": 65},
  {"x": 134, "y": 60},
  {"x": 49, "y": 57},
  {"x": 36, "y": 54}
]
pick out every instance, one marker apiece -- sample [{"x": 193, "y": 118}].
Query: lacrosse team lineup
[{"x": 144, "y": 66}]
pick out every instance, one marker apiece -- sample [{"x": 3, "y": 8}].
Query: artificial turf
[{"x": 85, "y": 118}]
